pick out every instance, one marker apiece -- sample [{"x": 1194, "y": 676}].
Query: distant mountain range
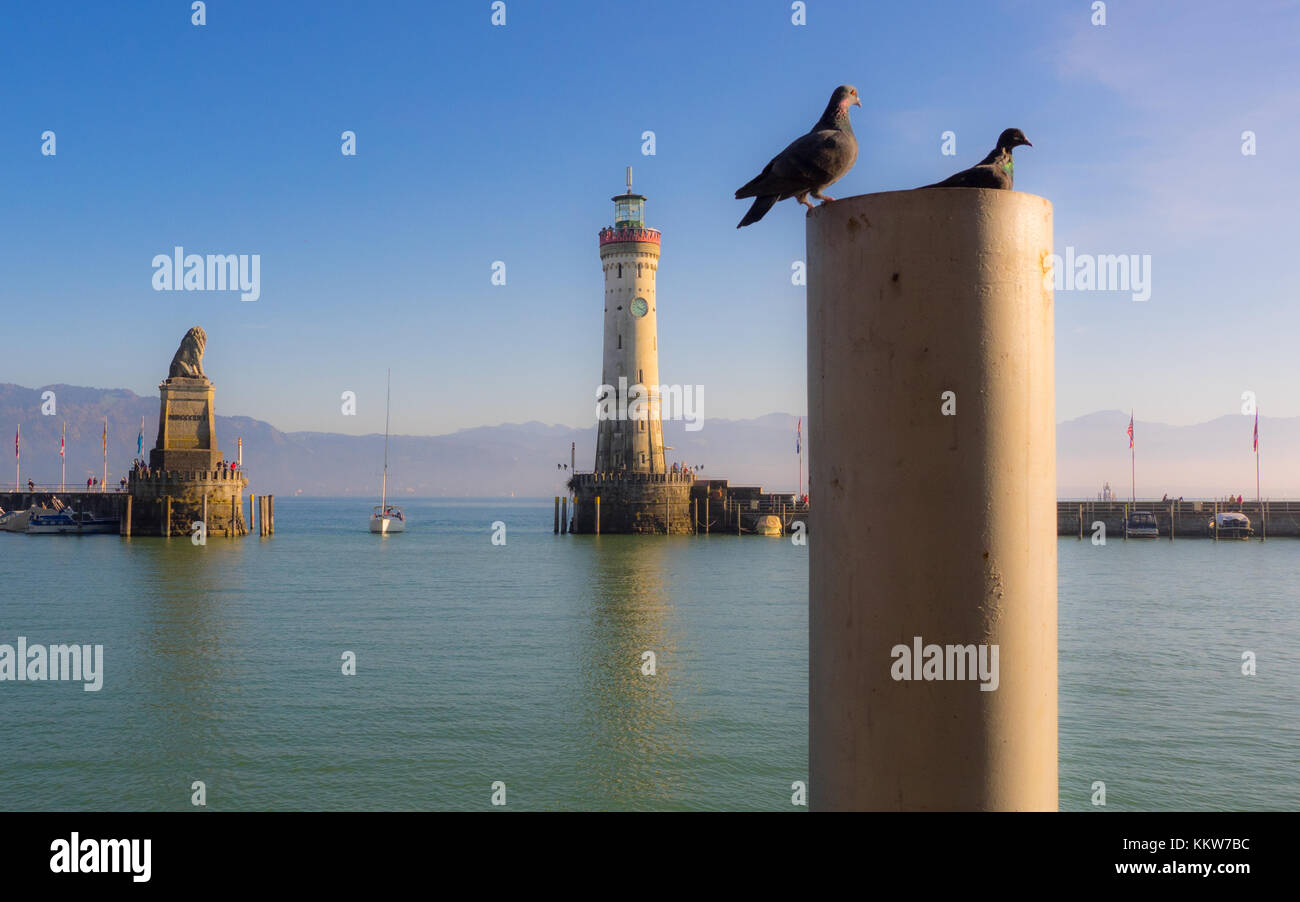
[
  {"x": 513, "y": 458},
  {"x": 1204, "y": 460}
]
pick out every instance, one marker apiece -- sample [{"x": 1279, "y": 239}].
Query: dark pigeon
[
  {"x": 997, "y": 170},
  {"x": 811, "y": 163}
]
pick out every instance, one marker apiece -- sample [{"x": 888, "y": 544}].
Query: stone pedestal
[
  {"x": 931, "y": 405},
  {"x": 633, "y": 503},
  {"x": 184, "y": 483},
  {"x": 186, "y": 426}
]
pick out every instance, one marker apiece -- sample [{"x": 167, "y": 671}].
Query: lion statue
[{"x": 189, "y": 356}]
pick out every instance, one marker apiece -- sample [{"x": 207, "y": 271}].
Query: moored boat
[
  {"x": 1141, "y": 525},
  {"x": 1230, "y": 526},
  {"x": 66, "y": 522}
]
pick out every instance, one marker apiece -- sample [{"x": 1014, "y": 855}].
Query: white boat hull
[{"x": 386, "y": 525}]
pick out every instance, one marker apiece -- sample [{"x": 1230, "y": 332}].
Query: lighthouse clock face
[{"x": 639, "y": 307}]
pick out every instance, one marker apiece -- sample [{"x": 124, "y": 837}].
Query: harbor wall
[{"x": 1190, "y": 518}]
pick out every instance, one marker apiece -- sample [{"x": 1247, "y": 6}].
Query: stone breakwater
[{"x": 1189, "y": 519}]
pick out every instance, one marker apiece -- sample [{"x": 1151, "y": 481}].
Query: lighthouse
[
  {"x": 630, "y": 436},
  {"x": 630, "y": 489}
]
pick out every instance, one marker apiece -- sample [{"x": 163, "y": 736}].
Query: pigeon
[
  {"x": 810, "y": 164},
  {"x": 997, "y": 170}
]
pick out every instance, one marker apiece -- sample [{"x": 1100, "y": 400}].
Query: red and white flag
[
  {"x": 1130, "y": 430},
  {"x": 1255, "y": 444},
  {"x": 61, "y": 438},
  {"x": 17, "y": 441}
]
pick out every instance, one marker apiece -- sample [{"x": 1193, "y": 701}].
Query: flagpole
[
  {"x": 1132, "y": 463},
  {"x": 1259, "y": 501},
  {"x": 101, "y": 485},
  {"x": 63, "y": 459},
  {"x": 18, "y": 458}
]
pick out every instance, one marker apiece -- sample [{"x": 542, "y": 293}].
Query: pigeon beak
[
  {"x": 857, "y": 101},
  {"x": 1027, "y": 144}
]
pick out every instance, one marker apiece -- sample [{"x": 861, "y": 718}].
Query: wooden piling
[
  {"x": 270, "y": 514},
  {"x": 597, "y": 515},
  {"x": 556, "y": 527},
  {"x": 564, "y": 515},
  {"x": 706, "y": 515},
  {"x": 126, "y": 521},
  {"x": 167, "y": 516},
  {"x": 252, "y": 512}
]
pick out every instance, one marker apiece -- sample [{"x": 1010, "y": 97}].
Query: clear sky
[{"x": 478, "y": 143}]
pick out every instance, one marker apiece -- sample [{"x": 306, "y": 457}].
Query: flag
[
  {"x": 798, "y": 436},
  {"x": 17, "y": 441},
  {"x": 1130, "y": 430},
  {"x": 61, "y": 441},
  {"x": 105, "y": 437},
  {"x": 139, "y": 439},
  {"x": 1255, "y": 443}
]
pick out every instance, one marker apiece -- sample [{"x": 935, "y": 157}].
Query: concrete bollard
[{"x": 936, "y": 512}]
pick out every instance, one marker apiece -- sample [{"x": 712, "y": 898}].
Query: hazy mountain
[
  {"x": 513, "y": 458},
  {"x": 1205, "y": 460}
]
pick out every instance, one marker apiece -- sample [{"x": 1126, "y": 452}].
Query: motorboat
[
  {"x": 67, "y": 522},
  {"x": 1141, "y": 525},
  {"x": 1230, "y": 526}
]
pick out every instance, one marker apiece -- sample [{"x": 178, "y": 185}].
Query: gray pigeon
[
  {"x": 811, "y": 163},
  {"x": 997, "y": 170}
]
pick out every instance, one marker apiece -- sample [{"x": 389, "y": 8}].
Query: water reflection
[
  {"x": 189, "y": 660},
  {"x": 635, "y": 727}
]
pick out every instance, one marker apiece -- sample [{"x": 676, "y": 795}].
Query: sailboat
[{"x": 387, "y": 517}]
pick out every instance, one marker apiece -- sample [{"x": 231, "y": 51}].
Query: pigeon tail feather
[{"x": 758, "y": 209}]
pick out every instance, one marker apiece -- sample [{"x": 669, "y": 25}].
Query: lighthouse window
[
  {"x": 638, "y": 270},
  {"x": 620, "y": 270},
  {"x": 620, "y": 342}
]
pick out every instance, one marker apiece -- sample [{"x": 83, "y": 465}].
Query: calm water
[{"x": 478, "y": 663}]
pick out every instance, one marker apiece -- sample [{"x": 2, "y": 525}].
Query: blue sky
[{"x": 479, "y": 143}]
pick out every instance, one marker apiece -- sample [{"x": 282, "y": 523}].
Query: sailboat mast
[{"x": 383, "y": 491}]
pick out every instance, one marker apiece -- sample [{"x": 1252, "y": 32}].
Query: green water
[{"x": 522, "y": 664}]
